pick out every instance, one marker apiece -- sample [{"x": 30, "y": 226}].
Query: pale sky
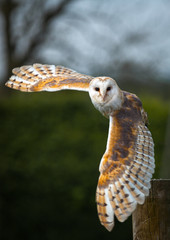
[
  {"x": 95, "y": 29},
  {"x": 93, "y": 33}
]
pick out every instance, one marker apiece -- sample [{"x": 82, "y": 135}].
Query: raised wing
[
  {"x": 127, "y": 165},
  {"x": 47, "y": 78}
]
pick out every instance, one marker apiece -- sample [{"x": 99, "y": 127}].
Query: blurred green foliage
[{"x": 50, "y": 148}]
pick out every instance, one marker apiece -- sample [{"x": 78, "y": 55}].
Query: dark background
[{"x": 51, "y": 143}]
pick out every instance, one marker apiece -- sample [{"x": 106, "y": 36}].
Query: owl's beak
[{"x": 103, "y": 95}]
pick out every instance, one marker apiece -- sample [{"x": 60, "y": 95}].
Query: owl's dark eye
[
  {"x": 97, "y": 89},
  {"x": 109, "y": 88}
]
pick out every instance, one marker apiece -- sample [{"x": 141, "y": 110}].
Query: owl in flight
[{"x": 127, "y": 165}]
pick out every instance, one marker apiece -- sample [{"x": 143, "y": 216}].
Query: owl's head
[{"x": 104, "y": 92}]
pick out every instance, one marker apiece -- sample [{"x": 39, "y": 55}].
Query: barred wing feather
[
  {"x": 47, "y": 78},
  {"x": 125, "y": 172}
]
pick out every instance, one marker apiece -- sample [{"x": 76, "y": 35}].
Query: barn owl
[{"x": 127, "y": 165}]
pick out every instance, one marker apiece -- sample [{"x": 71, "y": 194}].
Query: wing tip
[
  {"x": 104, "y": 208},
  {"x": 122, "y": 217},
  {"x": 109, "y": 226}
]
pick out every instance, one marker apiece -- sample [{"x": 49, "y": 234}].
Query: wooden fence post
[{"x": 151, "y": 221}]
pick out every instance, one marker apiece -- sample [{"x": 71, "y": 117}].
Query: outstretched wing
[
  {"x": 126, "y": 167},
  {"x": 47, "y": 78}
]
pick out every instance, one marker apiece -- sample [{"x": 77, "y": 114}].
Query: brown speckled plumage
[{"x": 128, "y": 163}]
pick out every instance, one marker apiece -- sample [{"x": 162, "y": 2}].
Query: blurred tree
[
  {"x": 87, "y": 36},
  {"x": 32, "y": 20}
]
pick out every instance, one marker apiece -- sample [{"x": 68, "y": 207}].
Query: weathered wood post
[{"x": 151, "y": 221}]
